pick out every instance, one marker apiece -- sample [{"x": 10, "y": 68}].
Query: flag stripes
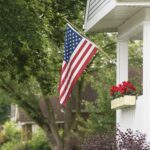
[
  {"x": 73, "y": 69},
  {"x": 77, "y": 54},
  {"x": 72, "y": 66},
  {"x": 73, "y": 58}
]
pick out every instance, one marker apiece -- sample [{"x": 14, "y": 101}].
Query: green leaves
[
  {"x": 31, "y": 32},
  {"x": 4, "y": 107}
]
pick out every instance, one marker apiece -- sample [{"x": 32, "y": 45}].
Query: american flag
[{"x": 78, "y": 51}]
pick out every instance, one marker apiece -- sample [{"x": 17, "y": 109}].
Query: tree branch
[{"x": 52, "y": 122}]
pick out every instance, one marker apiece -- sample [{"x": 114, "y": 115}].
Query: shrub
[
  {"x": 13, "y": 139},
  {"x": 15, "y": 145},
  {"x": 8, "y": 146},
  {"x": 104, "y": 141},
  {"x": 11, "y": 131},
  {"x": 38, "y": 141},
  {"x": 127, "y": 140},
  {"x": 2, "y": 137},
  {"x": 132, "y": 141}
]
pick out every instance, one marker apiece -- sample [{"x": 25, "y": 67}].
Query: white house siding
[
  {"x": 95, "y": 6},
  {"x": 136, "y": 118},
  {"x": 133, "y": 117}
]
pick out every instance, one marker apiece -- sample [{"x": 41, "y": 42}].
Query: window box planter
[{"x": 122, "y": 102}]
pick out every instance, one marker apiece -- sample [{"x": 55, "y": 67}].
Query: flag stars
[{"x": 72, "y": 39}]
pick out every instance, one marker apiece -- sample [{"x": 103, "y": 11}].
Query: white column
[
  {"x": 146, "y": 60},
  {"x": 122, "y": 61},
  {"x": 122, "y": 69},
  {"x": 146, "y": 76}
]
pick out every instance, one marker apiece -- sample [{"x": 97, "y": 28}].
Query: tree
[
  {"x": 4, "y": 107},
  {"x": 31, "y": 55}
]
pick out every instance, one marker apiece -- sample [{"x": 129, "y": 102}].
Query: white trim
[
  {"x": 16, "y": 113},
  {"x": 86, "y": 15},
  {"x": 141, "y": 4},
  {"x": 134, "y": 24},
  {"x": 24, "y": 123}
]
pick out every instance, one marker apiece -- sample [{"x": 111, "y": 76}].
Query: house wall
[
  {"x": 131, "y": 19},
  {"x": 137, "y": 117},
  {"x": 95, "y": 6}
]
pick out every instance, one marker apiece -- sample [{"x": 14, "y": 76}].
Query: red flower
[
  {"x": 122, "y": 89},
  {"x": 129, "y": 85},
  {"x": 125, "y": 88},
  {"x": 113, "y": 90}
]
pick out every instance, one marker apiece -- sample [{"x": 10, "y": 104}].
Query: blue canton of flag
[{"x": 72, "y": 39}]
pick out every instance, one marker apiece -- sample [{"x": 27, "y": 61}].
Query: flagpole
[{"x": 83, "y": 33}]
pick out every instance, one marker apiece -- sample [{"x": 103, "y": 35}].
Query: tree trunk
[
  {"x": 66, "y": 143},
  {"x": 58, "y": 147}
]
